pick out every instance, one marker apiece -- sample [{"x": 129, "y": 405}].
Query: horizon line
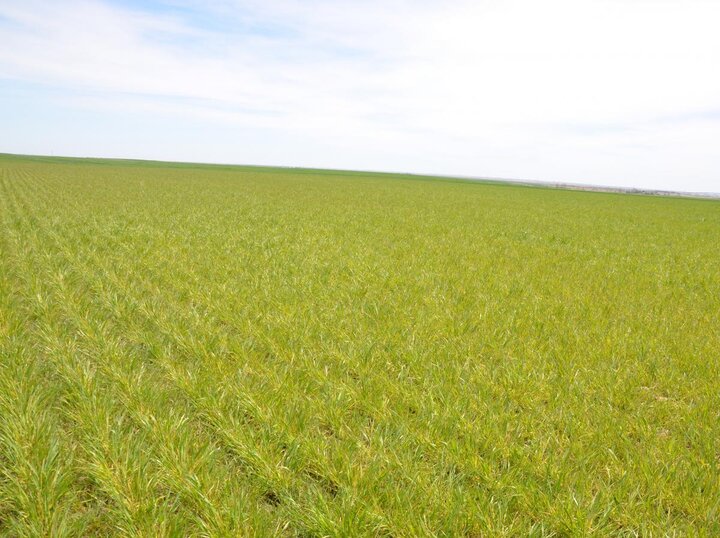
[{"x": 523, "y": 182}]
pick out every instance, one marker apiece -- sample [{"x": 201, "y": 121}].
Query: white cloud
[{"x": 609, "y": 91}]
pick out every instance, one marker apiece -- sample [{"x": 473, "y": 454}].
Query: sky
[{"x": 604, "y": 92}]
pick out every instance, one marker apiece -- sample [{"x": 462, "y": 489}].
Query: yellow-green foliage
[{"x": 218, "y": 351}]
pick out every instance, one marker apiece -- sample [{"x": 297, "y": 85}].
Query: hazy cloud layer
[{"x": 606, "y": 91}]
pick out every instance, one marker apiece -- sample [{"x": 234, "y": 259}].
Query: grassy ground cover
[{"x": 238, "y": 351}]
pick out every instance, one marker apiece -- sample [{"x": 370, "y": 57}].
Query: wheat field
[{"x": 193, "y": 350}]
